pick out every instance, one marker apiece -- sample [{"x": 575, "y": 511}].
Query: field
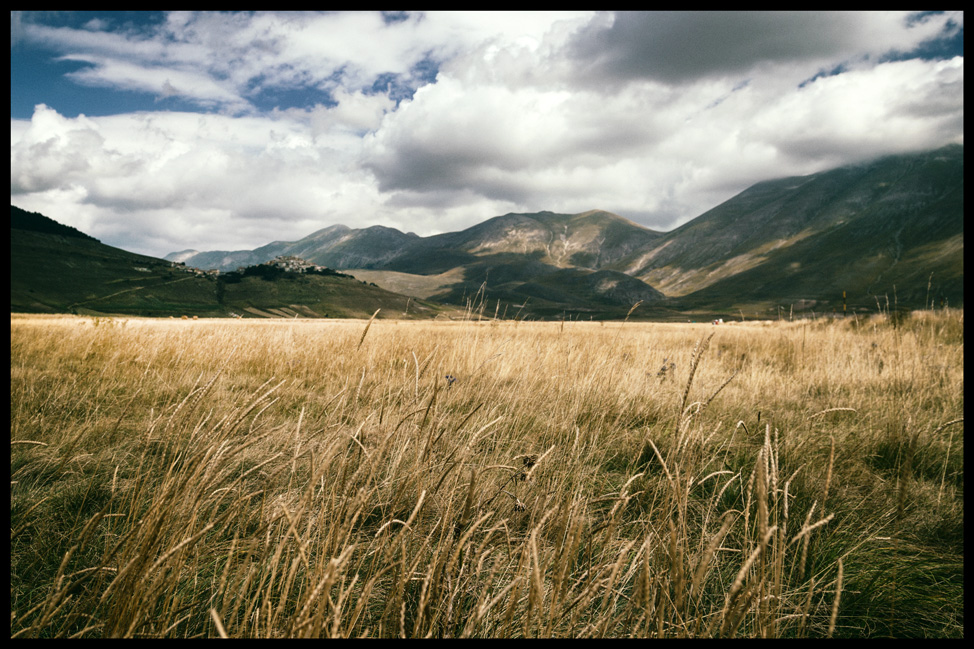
[{"x": 291, "y": 478}]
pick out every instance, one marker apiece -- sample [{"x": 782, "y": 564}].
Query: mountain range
[{"x": 890, "y": 228}]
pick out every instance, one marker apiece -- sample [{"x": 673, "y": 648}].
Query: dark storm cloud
[{"x": 678, "y": 47}]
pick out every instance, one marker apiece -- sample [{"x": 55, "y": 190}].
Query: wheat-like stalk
[{"x": 366, "y": 330}]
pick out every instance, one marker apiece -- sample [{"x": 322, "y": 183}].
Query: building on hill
[{"x": 294, "y": 264}]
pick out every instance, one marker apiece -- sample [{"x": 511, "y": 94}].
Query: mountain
[
  {"x": 589, "y": 240},
  {"x": 542, "y": 263},
  {"x": 887, "y": 229},
  {"x": 337, "y": 246},
  {"x": 57, "y": 269},
  {"x": 873, "y": 229},
  {"x": 504, "y": 260}
]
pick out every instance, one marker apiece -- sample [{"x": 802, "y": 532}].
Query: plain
[{"x": 291, "y": 478}]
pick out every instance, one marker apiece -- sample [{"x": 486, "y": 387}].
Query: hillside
[
  {"x": 34, "y": 222},
  {"x": 589, "y": 240},
  {"x": 862, "y": 229},
  {"x": 336, "y": 246},
  {"x": 57, "y": 271}
]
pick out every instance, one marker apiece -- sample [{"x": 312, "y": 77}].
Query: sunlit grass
[{"x": 494, "y": 479}]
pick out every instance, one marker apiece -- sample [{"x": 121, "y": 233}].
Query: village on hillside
[{"x": 285, "y": 263}]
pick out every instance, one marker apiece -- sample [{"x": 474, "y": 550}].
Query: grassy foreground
[{"x": 325, "y": 478}]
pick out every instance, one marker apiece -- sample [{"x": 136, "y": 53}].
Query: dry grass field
[{"x": 302, "y": 478}]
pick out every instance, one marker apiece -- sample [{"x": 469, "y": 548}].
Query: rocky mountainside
[
  {"x": 552, "y": 262},
  {"x": 863, "y": 229},
  {"x": 506, "y": 259},
  {"x": 588, "y": 240}
]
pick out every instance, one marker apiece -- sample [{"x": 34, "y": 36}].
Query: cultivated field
[{"x": 294, "y": 478}]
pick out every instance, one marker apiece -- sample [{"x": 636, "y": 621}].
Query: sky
[{"x": 159, "y": 132}]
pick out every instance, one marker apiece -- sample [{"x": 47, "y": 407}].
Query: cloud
[
  {"x": 96, "y": 25},
  {"x": 225, "y": 61},
  {"x": 353, "y": 111},
  {"x": 56, "y": 153},
  {"x": 894, "y": 107},
  {"x": 161, "y": 81},
  {"x": 503, "y": 135},
  {"x": 246, "y": 54},
  {"x": 665, "y": 153},
  {"x": 433, "y": 122},
  {"x": 681, "y": 47},
  {"x": 207, "y": 180}
]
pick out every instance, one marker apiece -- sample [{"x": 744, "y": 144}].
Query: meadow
[{"x": 308, "y": 478}]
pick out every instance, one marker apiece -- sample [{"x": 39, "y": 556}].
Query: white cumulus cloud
[{"x": 436, "y": 121}]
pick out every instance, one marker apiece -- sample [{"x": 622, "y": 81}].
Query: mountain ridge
[
  {"x": 866, "y": 229},
  {"x": 797, "y": 237},
  {"x": 525, "y": 233},
  {"x": 860, "y": 233}
]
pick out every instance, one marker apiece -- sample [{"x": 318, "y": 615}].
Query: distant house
[{"x": 294, "y": 264}]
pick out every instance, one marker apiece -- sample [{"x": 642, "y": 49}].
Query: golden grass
[{"x": 298, "y": 478}]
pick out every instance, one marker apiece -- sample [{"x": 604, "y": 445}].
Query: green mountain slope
[
  {"x": 55, "y": 271},
  {"x": 862, "y": 229},
  {"x": 893, "y": 228}
]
